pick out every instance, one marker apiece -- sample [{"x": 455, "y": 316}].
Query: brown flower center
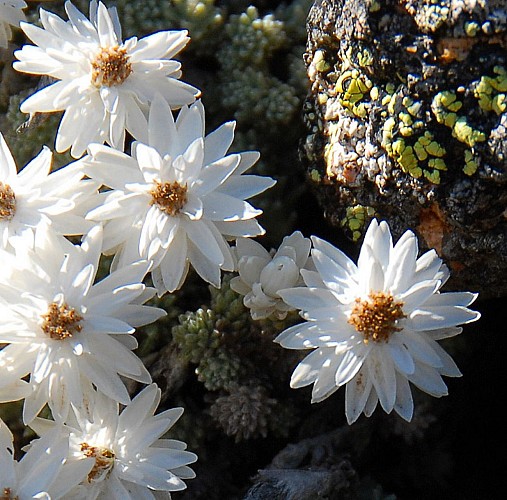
[
  {"x": 7, "y": 202},
  {"x": 376, "y": 316},
  {"x": 104, "y": 461},
  {"x": 111, "y": 67},
  {"x": 61, "y": 322},
  {"x": 170, "y": 197},
  {"x": 7, "y": 495}
]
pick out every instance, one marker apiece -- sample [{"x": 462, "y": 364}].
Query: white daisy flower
[
  {"x": 34, "y": 196},
  {"x": 374, "y": 327},
  {"x": 173, "y": 201},
  {"x": 103, "y": 84},
  {"x": 38, "y": 472},
  {"x": 129, "y": 460},
  {"x": 11, "y": 14},
  {"x": 67, "y": 333},
  {"x": 262, "y": 274}
]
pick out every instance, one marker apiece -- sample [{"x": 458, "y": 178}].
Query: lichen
[
  {"x": 416, "y": 151},
  {"x": 491, "y": 91},
  {"x": 407, "y": 103},
  {"x": 355, "y": 220}
]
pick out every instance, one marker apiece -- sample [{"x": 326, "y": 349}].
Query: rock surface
[{"x": 407, "y": 120}]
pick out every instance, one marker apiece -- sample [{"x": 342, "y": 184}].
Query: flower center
[
  {"x": 170, "y": 197},
  {"x": 376, "y": 316},
  {"x": 61, "y": 322},
  {"x": 7, "y": 495},
  {"x": 110, "y": 67},
  {"x": 7, "y": 202},
  {"x": 104, "y": 461}
]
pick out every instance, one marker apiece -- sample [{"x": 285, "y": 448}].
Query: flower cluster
[
  {"x": 101, "y": 80},
  {"x": 152, "y": 189},
  {"x": 176, "y": 200}
]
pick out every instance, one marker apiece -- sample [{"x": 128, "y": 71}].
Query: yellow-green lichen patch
[
  {"x": 491, "y": 91},
  {"x": 352, "y": 88},
  {"x": 444, "y": 107},
  {"x": 466, "y": 133},
  {"x": 406, "y": 141},
  {"x": 315, "y": 175},
  {"x": 319, "y": 61},
  {"x": 472, "y": 28},
  {"x": 355, "y": 220},
  {"x": 471, "y": 164},
  {"x": 404, "y": 155}
]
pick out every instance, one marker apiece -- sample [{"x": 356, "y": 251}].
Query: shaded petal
[
  {"x": 428, "y": 380},
  {"x": 356, "y": 395},
  {"x": 381, "y": 370},
  {"x": 404, "y": 405}
]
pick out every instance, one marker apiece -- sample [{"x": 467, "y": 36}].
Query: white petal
[
  {"x": 428, "y": 380},
  {"x": 309, "y": 299},
  {"x": 437, "y": 317},
  {"x": 421, "y": 348},
  {"x": 332, "y": 271},
  {"x": 381, "y": 370},
  {"x": 307, "y": 371},
  {"x": 203, "y": 239},
  {"x": 208, "y": 270},
  {"x": 173, "y": 267},
  {"x": 218, "y": 142},
  {"x": 350, "y": 364},
  {"x": 404, "y": 405},
  {"x": 356, "y": 395},
  {"x": 161, "y": 127},
  {"x": 307, "y": 336},
  {"x": 163, "y": 44},
  {"x": 402, "y": 265},
  {"x": 401, "y": 354}
]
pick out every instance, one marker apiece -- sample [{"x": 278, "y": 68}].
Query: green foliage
[{"x": 202, "y": 19}]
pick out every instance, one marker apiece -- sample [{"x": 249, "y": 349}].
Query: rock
[{"x": 406, "y": 121}]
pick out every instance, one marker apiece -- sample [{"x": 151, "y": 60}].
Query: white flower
[
  {"x": 262, "y": 275},
  {"x": 34, "y": 196},
  {"x": 176, "y": 198},
  {"x": 103, "y": 84},
  {"x": 38, "y": 473},
  {"x": 11, "y": 14},
  {"x": 129, "y": 459},
  {"x": 374, "y": 327},
  {"x": 63, "y": 330}
]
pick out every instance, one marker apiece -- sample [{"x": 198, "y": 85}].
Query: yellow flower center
[
  {"x": 61, "y": 322},
  {"x": 7, "y": 495},
  {"x": 376, "y": 316},
  {"x": 104, "y": 461},
  {"x": 170, "y": 197},
  {"x": 111, "y": 67},
  {"x": 7, "y": 202}
]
